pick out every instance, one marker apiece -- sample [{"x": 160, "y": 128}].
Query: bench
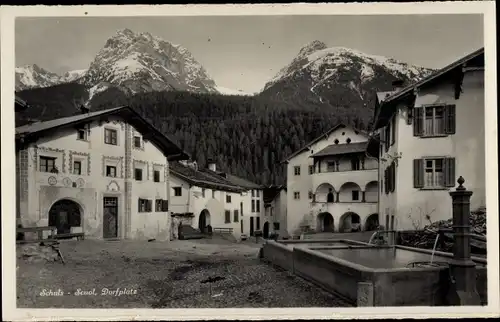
[
  {"x": 38, "y": 230},
  {"x": 223, "y": 230},
  {"x": 79, "y": 236}
]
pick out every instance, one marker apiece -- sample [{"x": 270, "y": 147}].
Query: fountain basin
[{"x": 369, "y": 275}]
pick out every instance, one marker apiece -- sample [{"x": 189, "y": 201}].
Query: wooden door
[
  {"x": 110, "y": 217},
  {"x": 251, "y": 226}
]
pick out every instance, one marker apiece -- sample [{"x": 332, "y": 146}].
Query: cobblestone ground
[{"x": 164, "y": 275}]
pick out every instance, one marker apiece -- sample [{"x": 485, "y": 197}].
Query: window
[
  {"x": 236, "y": 216},
  {"x": 253, "y": 205},
  {"x": 258, "y": 193},
  {"x": 110, "y": 136},
  {"x": 138, "y": 174},
  {"x": 177, "y": 191},
  {"x": 48, "y": 164},
  {"x": 213, "y": 194},
  {"x": 77, "y": 167},
  {"x": 310, "y": 194},
  {"x": 434, "y": 120},
  {"x": 145, "y": 205},
  {"x": 311, "y": 169},
  {"x": 228, "y": 198},
  {"x": 137, "y": 142},
  {"x": 296, "y": 170},
  {"x": 390, "y": 178},
  {"x": 110, "y": 171},
  {"x": 355, "y": 195},
  {"x": 434, "y": 173},
  {"x": 257, "y": 203},
  {"x": 227, "y": 218},
  {"x": 161, "y": 205},
  {"x": 355, "y": 164},
  {"x": 329, "y": 196},
  {"x": 276, "y": 226},
  {"x": 330, "y": 166},
  {"x": 296, "y": 195},
  {"x": 156, "y": 176},
  {"x": 203, "y": 192},
  {"x": 253, "y": 193},
  {"x": 81, "y": 134}
]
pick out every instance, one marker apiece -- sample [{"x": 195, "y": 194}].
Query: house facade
[
  {"x": 432, "y": 132},
  {"x": 275, "y": 209},
  {"x": 104, "y": 173},
  {"x": 201, "y": 199},
  {"x": 332, "y": 183}
]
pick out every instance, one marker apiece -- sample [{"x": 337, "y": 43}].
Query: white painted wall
[
  {"x": 410, "y": 205},
  {"x": 303, "y": 212}
]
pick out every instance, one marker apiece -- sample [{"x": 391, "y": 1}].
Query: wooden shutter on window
[
  {"x": 449, "y": 119},
  {"x": 449, "y": 172},
  {"x": 150, "y": 205},
  {"x": 386, "y": 181},
  {"x": 418, "y": 122},
  {"x": 393, "y": 130},
  {"x": 393, "y": 176},
  {"x": 418, "y": 173},
  {"x": 164, "y": 205},
  {"x": 139, "y": 204}
]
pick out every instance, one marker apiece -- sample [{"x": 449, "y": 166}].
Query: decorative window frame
[
  {"x": 79, "y": 156},
  {"x": 144, "y": 165},
  {"x": 161, "y": 167},
  {"x": 39, "y": 151},
  {"x": 137, "y": 134},
  {"x": 116, "y": 159},
  {"x": 112, "y": 128}
]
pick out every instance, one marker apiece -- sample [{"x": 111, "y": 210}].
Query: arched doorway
[
  {"x": 350, "y": 222},
  {"x": 204, "y": 221},
  {"x": 65, "y": 214},
  {"x": 372, "y": 222},
  {"x": 265, "y": 230},
  {"x": 325, "y": 222}
]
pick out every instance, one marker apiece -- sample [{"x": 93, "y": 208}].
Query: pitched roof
[
  {"x": 31, "y": 132},
  {"x": 20, "y": 104},
  {"x": 271, "y": 192},
  {"x": 337, "y": 149},
  {"x": 202, "y": 179},
  {"x": 333, "y": 129},
  {"x": 242, "y": 182},
  {"x": 409, "y": 90}
]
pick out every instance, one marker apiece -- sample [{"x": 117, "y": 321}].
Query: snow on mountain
[
  {"x": 338, "y": 76},
  {"x": 32, "y": 76},
  {"x": 228, "y": 91},
  {"x": 142, "y": 62},
  {"x": 73, "y": 75}
]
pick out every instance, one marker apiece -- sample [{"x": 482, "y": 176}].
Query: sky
[{"x": 244, "y": 52}]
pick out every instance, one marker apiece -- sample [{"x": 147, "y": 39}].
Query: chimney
[
  {"x": 398, "y": 84},
  {"x": 211, "y": 165},
  {"x": 84, "y": 109}
]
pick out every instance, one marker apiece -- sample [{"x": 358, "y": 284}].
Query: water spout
[
  {"x": 434, "y": 248},
  {"x": 372, "y": 237}
]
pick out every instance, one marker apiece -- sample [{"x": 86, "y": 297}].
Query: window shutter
[
  {"x": 418, "y": 129},
  {"x": 449, "y": 119},
  {"x": 139, "y": 205},
  {"x": 386, "y": 181},
  {"x": 418, "y": 173},
  {"x": 393, "y": 130},
  {"x": 449, "y": 172},
  {"x": 392, "y": 170}
]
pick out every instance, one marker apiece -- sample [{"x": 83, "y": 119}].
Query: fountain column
[{"x": 462, "y": 268}]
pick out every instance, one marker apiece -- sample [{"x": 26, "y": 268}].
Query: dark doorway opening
[
  {"x": 110, "y": 217},
  {"x": 63, "y": 215}
]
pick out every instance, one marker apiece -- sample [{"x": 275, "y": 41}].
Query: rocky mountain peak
[{"x": 311, "y": 48}]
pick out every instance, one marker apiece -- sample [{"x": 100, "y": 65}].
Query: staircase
[{"x": 188, "y": 232}]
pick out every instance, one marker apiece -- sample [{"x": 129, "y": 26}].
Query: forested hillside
[{"x": 247, "y": 136}]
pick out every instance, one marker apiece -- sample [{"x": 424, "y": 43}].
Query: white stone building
[
  {"x": 103, "y": 173},
  {"x": 275, "y": 209},
  {"x": 432, "y": 133},
  {"x": 332, "y": 183}
]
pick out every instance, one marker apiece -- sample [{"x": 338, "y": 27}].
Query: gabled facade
[
  {"x": 103, "y": 173},
  {"x": 432, "y": 132},
  {"x": 216, "y": 199},
  {"x": 275, "y": 209},
  {"x": 332, "y": 183}
]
